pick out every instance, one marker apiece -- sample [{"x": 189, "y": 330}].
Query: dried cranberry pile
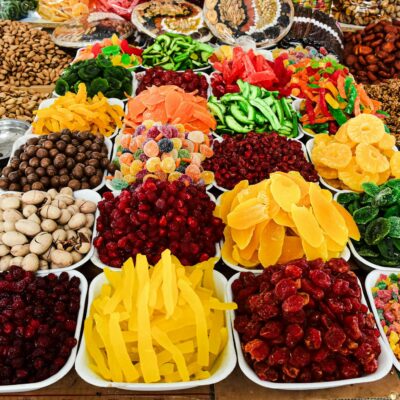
[
  {"x": 37, "y": 324},
  {"x": 220, "y": 87},
  {"x": 254, "y": 157},
  {"x": 156, "y": 215},
  {"x": 189, "y": 81},
  {"x": 304, "y": 322}
]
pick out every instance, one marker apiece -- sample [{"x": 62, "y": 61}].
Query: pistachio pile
[
  {"x": 43, "y": 230},
  {"x": 29, "y": 56}
]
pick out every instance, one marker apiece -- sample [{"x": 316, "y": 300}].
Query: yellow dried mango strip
[
  {"x": 169, "y": 288},
  {"x": 128, "y": 272},
  {"x": 113, "y": 277},
  {"x": 155, "y": 285},
  {"x": 201, "y": 324},
  {"x": 217, "y": 322},
  {"x": 185, "y": 333},
  {"x": 120, "y": 351},
  {"x": 164, "y": 341},
  {"x": 113, "y": 302},
  {"x": 208, "y": 277},
  {"x": 94, "y": 351}
]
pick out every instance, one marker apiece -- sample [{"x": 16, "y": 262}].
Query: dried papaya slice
[
  {"x": 273, "y": 206},
  {"x": 242, "y": 237},
  {"x": 327, "y": 194},
  {"x": 395, "y": 164},
  {"x": 336, "y": 155},
  {"x": 284, "y": 191},
  {"x": 370, "y": 159},
  {"x": 326, "y": 172},
  {"x": 249, "y": 213},
  {"x": 307, "y": 225},
  {"x": 271, "y": 243},
  {"x": 312, "y": 253},
  {"x": 352, "y": 227},
  {"x": 365, "y": 128},
  {"x": 292, "y": 249},
  {"x": 227, "y": 199},
  {"x": 332, "y": 245},
  {"x": 387, "y": 142},
  {"x": 327, "y": 216}
]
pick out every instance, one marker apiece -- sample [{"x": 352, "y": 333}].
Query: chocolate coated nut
[{"x": 397, "y": 65}]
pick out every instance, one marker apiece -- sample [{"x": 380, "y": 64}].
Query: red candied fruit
[
  {"x": 254, "y": 156},
  {"x": 149, "y": 229},
  {"x": 309, "y": 319}
]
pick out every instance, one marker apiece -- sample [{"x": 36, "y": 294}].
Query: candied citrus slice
[
  {"x": 249, "y": 213},
  {"x": 353, "y": 177},
  {"x": 370, "y": 159},
  {"x": 352, "y": 227},
  {"x": 271, "y": 243},
  {"x": 227, "y": 200},
  {"x": 365, "y": 128},
  {"x": 292, "y": 249},
  {"x": 336, "y": 155},
  {"x": 326, "y": 172},
  {"x": 284, "y": 191},
  {"x": 395, "y": 164},
  {"x": 242, "y": 237},
  {"x": 307, "y": 225},
  {"x": 387, "y": 142},
  {"x": 312, "y": 253},
  {"x": 327, "y": 216}
]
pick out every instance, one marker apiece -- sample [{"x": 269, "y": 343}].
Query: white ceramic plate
[
  {"x": 370, "y": 281},
  {"x": 222, "y": 368},
  {"x": 384, "y": 362},
  {"x": 23, "y": 139},
  {"x": 25, "y": 387},
  {"x": 48, "y": 102}
]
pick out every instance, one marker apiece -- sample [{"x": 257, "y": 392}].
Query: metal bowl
[{"x": 10, "y": 131}]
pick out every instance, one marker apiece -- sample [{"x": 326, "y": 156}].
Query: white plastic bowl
[
  {"x": 23, "y": 139},
  {"x": 384, "y": 362},
  {"x": 27, "y": 387},
  {"x": 48, "y": 102},
  {"x": 370, "y": 281},
  {"x": 222, "y": 368}
]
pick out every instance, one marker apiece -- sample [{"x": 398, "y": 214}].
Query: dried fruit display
[
  {"x": 77, "y": 112},
  {"x": 163, "y": 152},
  {"x": 331, "y": 95},
  {"x": 62, "y": 10},
  {"x": 281, "y": 219},
  {"x": 374, "y": 53},
  {"x": 361, "y": 151},
  {"x": 254, "y": 156},
  {"x": 189, "y": 81},
  {"x": 377, "y": 216},
  {"x": 254, "y": 109},
  {"x": 38, "y": 320},
  {"x": 172, "y": 329},
  {"x": 386, "y": 300},
  {"x": 153, "y": 216},
  {"x": 169, "y": 104},
  {"x": 305, "y": 322}
]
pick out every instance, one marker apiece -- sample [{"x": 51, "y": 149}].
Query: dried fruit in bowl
[{"x": 305, "y": 322}]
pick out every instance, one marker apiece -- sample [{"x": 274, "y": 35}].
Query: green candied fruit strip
[
  {"x": 393, "y": 183},
  {"x": 382, "y": 285}
]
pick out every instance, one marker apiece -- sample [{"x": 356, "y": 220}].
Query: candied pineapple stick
[{"x": 119, "y": 347}]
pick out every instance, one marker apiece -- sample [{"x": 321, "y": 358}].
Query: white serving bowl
[
  {"x": 370, "y": 281},
  {"x": 23, "y": 139},
  {"x": 222, "y": 367},
  {"x": 384, "y": 361},
  {"x": 48, "y": 102},
  {"x": 27, "y": 387}
]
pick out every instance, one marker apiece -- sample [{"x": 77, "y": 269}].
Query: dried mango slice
[
  {"x": 365, "y": 128},
  {"x": 242, "y": 237},
  {"x": 292, "y": 249},
  {"x": 283, "y": 218},
  {"x": 227, "y": 247},
  {"x": 252, "y": 191},
  {"x": 370, "y": 159},
  {"x": 297, "y": 178},
  {"x": 312, "y": 253},
  {"x": 327, "y": 216},
  {"x": 284, "y": 191},
  {"x": 247, "y": 214},
  {"x": 252, "y": 247},
  {"x": 271, "y": 244},
  {"x": 336, "y": 155},
  {"x": 307, "y": 226},
  {"x": 395, "y": 164},
  {"x": 239, "y": 260},
  {"x": 352, "y": 227},
  {"x": 227, "y": 199}
]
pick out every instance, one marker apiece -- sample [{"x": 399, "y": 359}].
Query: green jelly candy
[
  {"x": 391, "y": 211},
  {"x": 376, "y": 231},
  {"x": 387, "y": 249},
  {"x": 137, "y": 154},
  {"x": 365, "y": 214},
  {"x": 370, "y": 188},
  {"x": 119, "y": 184},
  {"x": 384, "y": 197},
  {"x": 346, "y": 198},
  {"x": 394, "y": 227},
  {"x": 365, "y": 251},
  {"x": 382, "y": 285},
  {"x": 394, "y": 277}
]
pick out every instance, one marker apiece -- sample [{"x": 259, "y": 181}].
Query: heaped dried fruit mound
[
  {"x": 157, "y": 215},
  {"x": 304, "y": 322},
  {"x": 281, "y": 219},
  {"x": 254, "y": 157},
  {"x": 38, "y": 318}
]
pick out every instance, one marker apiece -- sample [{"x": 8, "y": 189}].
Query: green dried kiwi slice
[
  {"x": 370, "y": 188},
  {"x": 391, "y": 211},
  {"x": 353, "y": 207},
  {"x": 346, "y": 198},
  {"x": 365, "y": 251},
  {"x": 384, "y": 197},
  {"x": 383, "y": 262},
  {"x": 365, "y": 214},
  {"x": 393, "y": 183},
  {"x": 394, "y": 227},
  {"x": 388, "y": 249},
  {"x": 376, "y": 231}
]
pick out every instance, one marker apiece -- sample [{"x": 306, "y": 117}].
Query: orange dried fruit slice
[
  {"x": 249, "y": 213},
  {"x": 322, "y": 139},
  {"x": 253, "y": 262},
  {"x": 283, "y": 218},
  {"x": 352, "y": 227},
  {"x": 227, "y": 199},
  {"x": 292, "y": 249},
  {"x": 312, "y": 253},
  {"x": 341, "y": 135},
  {"x": 242, "y": 237},
  {"x": 326, "y": 172},
  {"x": 271, "y": 244},
  {"x": 227, "y": 247},
  {"x": 384, "y": 176},
  {"x": 252, "y": 191},
  {"x": 307, "y": 225},
  {"x": 388, "y": 153},
  {"x": 387, "y": 142},
  {"x": 353, "y": 177},
  {"x": 395, "y": 164},
  {"x": 365, "y": 128},
  {"x": 248, "y": 252},
  {"x": 370, "y": 159},
  {"x": 297, "y": 178},
  {"x": 284, "y": 191},
  {"x": 336, "y": 155}
]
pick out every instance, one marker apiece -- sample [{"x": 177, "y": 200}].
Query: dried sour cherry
[
  {"x": 365, "y": 214},
  {"x": 376, "y": 231}
]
